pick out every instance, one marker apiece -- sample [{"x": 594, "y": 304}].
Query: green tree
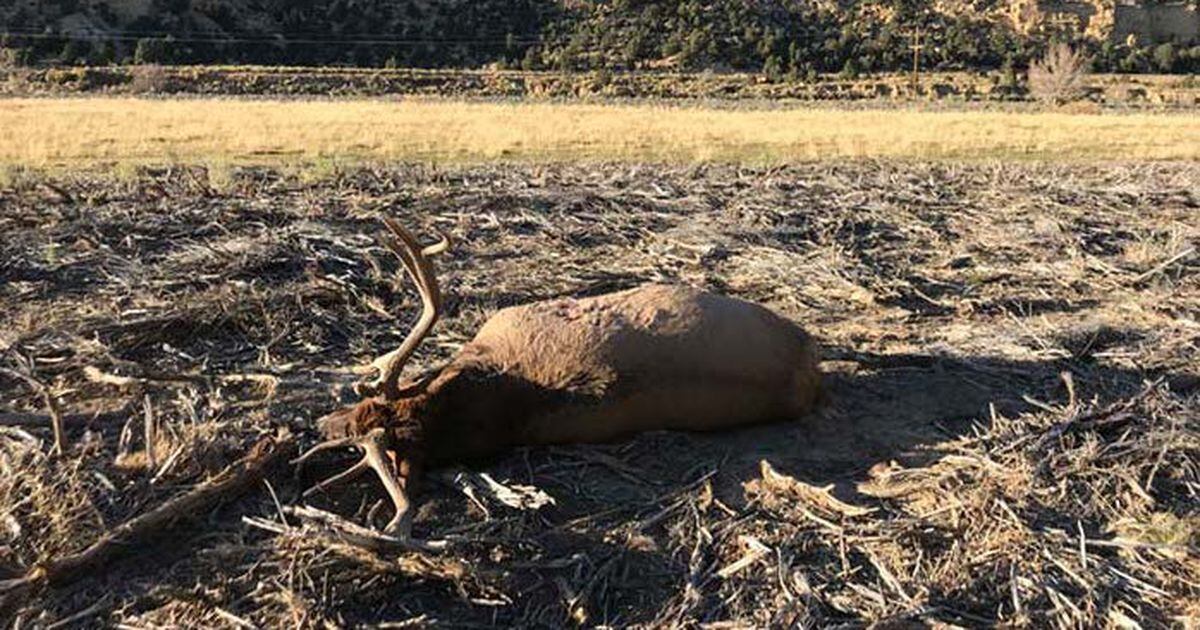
[
  {"x": 102, "y": 54},
  {"x": 773, "y": 68},
  {"x": 530, "y": 61},
  {"x": 74, "y": 51},
  {"x": 152, "y": 50},
  {"x": 1008, "y": 74},
  {"x": 850, "y": 69}
]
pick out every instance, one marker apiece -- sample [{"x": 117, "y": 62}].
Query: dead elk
[{"x": 570, "y": 371}]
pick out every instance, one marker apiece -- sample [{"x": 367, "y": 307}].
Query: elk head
[{"x": 384, "y": 424}]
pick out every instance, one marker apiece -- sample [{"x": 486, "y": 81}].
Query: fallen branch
[
  {"x": 28, "y": 420},
  {"x": 134, "y": 533}
]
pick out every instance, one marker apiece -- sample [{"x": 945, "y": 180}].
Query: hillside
[{"x": 796, "y": 37}]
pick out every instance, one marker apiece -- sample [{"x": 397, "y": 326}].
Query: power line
[
  {"x": 289, "y": 33},
  {"x": 265, "y": 39}
]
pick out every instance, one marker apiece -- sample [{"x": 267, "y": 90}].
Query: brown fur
[{"x": 601, "y": 368}]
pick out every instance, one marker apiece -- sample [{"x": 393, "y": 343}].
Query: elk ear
[{"x": 418, "y": 386}]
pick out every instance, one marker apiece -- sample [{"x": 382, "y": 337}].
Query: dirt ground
[{"x": 1012, "y": 432}]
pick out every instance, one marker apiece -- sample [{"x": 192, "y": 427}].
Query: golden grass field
[{"x": 77, "y": 132}]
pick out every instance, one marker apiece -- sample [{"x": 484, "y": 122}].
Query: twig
[
  {"x": 1164, "y": 265},
  {"x": 754, "y": 551},
  {"x": 95, "y": 375},
  {"x": 666, "y": 496},
  {"x": 232, "y": 618},
  {"x": 56, "y": 421},
  {"x": 67, "y": 622},
  {"x": 151, "y": 435},
  {"x": 1108, "y": 415}
]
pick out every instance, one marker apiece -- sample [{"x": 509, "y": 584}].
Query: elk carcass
[{"x": 567, "y": 371}]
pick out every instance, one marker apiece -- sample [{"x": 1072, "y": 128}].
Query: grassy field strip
[{"x": 80, "y": 131}]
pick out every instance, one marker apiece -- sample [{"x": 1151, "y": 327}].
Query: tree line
[{"x": 795, "y": 39}]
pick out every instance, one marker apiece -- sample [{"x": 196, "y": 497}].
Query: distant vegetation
[{"x": 792, "y": 38}]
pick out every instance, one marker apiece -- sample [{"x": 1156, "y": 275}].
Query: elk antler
[
  {"x": 375, "y": 457},
  {"x": 417, "y": 263}
]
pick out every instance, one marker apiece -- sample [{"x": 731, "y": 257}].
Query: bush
[
  {"x": 13, "y": 58},
  {"x": 1060, "y": 76},
  {"x": 148, "y": 79},
  {"x": 1165, "y": 57}
]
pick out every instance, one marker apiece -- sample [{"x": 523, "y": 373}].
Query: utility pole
[{"x": 916, "y": 47}]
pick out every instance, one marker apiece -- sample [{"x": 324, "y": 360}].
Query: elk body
[{"x": 572, "y": 370}]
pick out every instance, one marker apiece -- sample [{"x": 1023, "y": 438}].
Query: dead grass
[
  {"x": 954, "y": 477},
  {"x": 79, "y": 132}
]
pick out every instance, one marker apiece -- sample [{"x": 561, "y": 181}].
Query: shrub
[
  {"x": 1165, "y": 57},
  {"x": 1059, "y": 76},
  {"x": 148, "y": 79},
  {"x": 12, "y": 58}
]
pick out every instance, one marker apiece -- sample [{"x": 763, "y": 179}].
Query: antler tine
[
  {"x": 417, "y": 263},
  {"x": 323, "y": 446},
  {"x": 442, "y": 245},
  {"x": 346, "y": 475},
  {"x": 375, "y": 457}
]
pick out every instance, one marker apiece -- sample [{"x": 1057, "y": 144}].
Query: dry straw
[{"x": 81, "y": 132}]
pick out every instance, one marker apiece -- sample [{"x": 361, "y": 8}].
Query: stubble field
[{"x": 1012, "y": 433}]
